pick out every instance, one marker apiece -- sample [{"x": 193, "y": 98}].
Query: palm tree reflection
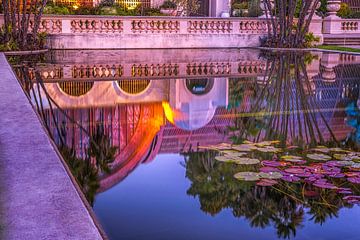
[{"x": 282, "y": 107}]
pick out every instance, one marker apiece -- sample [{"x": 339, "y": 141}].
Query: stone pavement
[{"x": 38, "y": 199}]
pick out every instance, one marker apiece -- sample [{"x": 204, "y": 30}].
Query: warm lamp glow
[
  {"x": 75, "y": 7},
  {"x": 168, "y": 112}
]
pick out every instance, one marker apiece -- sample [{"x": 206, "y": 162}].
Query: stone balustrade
[
  {"x": 350, "y": 25},
  {"x": 97, "y": 32},
  {"x": 118, "y": 24}
]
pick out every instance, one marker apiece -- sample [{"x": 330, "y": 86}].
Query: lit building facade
[{"x": 213, "y": 8}]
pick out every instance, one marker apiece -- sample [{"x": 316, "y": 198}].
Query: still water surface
[{"x": 178, "y": 125}]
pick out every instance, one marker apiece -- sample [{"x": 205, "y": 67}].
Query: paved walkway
[{"x": 37, "y": 197}]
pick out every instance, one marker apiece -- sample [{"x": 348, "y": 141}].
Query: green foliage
[
  {"x": 338, "y": 48},
  {"x": 57, "y": 10},
  {"x": 345, "y": 11},
  {"x": 101, "y": 150},
  {"x": 254, "y": 8},
  {"x": 107, "y": 3},
  {"x": 322, "y": 10},
  {"x": 169, "y": 5},
  {"x": 84, "y": 172},
  {"x": 105, "y": 8},
  {"x": 310, "y": 40},
  {"x": 242, "y": 5}
]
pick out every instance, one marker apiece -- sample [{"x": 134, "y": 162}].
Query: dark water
[{"x": 156, "y": 123}]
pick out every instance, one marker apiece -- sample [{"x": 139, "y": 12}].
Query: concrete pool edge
[{"x": 40, "y": 198}]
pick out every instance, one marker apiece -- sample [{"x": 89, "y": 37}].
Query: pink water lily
[
  {"x": 290, "y": 178},
  {"x": 354, "y": 180}
]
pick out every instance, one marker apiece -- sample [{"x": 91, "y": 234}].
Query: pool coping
[{"x": 66, "y": 169}]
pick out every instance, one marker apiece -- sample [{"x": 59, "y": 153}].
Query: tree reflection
[
  {"x": 99, "y": 153},
  {"x": 282, "y": 107}
]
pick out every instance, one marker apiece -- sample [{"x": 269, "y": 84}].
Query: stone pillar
[
  {"x": 220, "y": 8},
  {"x": 329, "y": 61},
  {"x": 316, "y": 25},
  {"x": 332, "y": 23}
]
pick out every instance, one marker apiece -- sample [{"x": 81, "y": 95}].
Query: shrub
[
  {"x": 57, "y": 10},
  {"x": 310, "y": 40},
  {"x": 254, "y": 8},
  {"x": 108, "y": 10},
  {"x": 168, "y": 5},
  {"x": 106, "y": 3},
  {"x": 243, "y": 5},
  {"x": 345, "y": 11}
]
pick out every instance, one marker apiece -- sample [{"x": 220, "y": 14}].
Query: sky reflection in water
[{"x": 181, "y": 191}]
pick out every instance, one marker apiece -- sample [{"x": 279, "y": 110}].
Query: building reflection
[{"x": 147, "y": 116}]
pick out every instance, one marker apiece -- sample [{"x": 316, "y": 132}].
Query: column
[
  {"x": 220, "y": 8},
  {"x": 332, "y": 23}
]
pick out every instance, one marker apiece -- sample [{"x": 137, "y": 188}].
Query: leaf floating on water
[
  {"x": 355, "y": 165},
  {"x": 269, "y": 169},
  {"x": 271, "y": 163},
  {"x": 318, "y": 157},
  {"x": 354, "y": 180},
  {"x": 244, "y": 147},
  {"x": 290, "y": 178},
  {"x": 321, "y": 149},
  {"x": 294, "y": 159},
  {"x": 246, "y": 161},
  {"x": 352, "y": 199},
  {"x": 247, "y": 176},
  {"x": 233, "y": 153},
  {"x": 323, "y": 184},
  {"x": 266, "y": 182},
  {"x": 268, "y": 149},
  {"x": 295, "y": 170},
  {"x": 271, "y": 175},
  {"x": 224, "y": 159}
]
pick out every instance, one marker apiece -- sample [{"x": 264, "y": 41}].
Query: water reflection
[{"x": 105, "y": 129}]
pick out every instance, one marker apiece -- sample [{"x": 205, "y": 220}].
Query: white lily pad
[
  {"x": 271, "y": 175},
  {"x": 247, "y": 176},
  {"x": 246, "y": 161},
  {"x": 291, "y": 158},
  {"x": 233, "y": 153},
  {"x": 318, "y": 157},
  {"x": 224, "y": 159}
]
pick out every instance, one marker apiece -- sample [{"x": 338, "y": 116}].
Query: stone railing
[
  {"x": 350, "y": 25},
  {"x": 340, "y": 26},
  {"x": 57, "y": 24}
]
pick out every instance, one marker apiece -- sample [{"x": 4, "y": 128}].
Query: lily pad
[
  {"x": 290, "y": 178},
  {"x": 246, "y": 161},
  {"x": 271, "y": 175},
  {"x": 266, "y": 182},
  {"x": 269, "y": 163},
  {"x": 325, "y": 185},
  {"x": 318, "y": 157},
  {"x": 268, "y": 149},
  {"x": 269, "y": 169},
  {"x": 247, "y": 176},
  {"x": 244, "y": 147},
  {"x": 354, "y": 180},
  {"x": 224, "y": 159},
  {"x": 233, "y": 153}
]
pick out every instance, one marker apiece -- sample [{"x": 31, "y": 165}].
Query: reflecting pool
[{"x": 207, "y": 144}]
